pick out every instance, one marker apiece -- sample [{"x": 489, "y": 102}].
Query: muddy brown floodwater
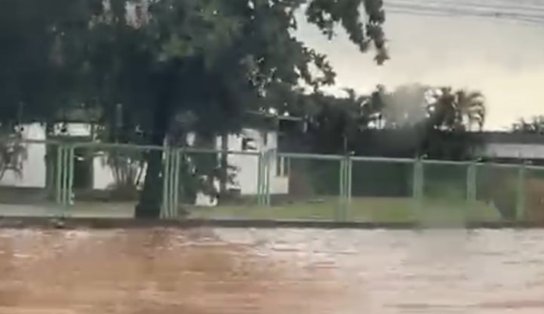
[{"x": 205, "y": 271}]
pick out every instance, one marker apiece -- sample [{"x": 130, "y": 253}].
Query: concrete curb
[{"x": 129, "y": 223}]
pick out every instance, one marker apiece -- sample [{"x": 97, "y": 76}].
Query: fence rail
[{"x": 288, "y": 185}]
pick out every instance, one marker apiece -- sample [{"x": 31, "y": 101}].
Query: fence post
[
  {"x": 170, "y": 183},
  {"x": 417, "y": 184},
  {"x": 173, "y": 191},
  {"x": 260, "y": 173},
  {"x": 65, "y": 177},
  {"x": 166, "y": 183},
  {"x": 348, "y": 187},
  {"x": 471, "y": 182},
  {"x": 71, "y": 169},
  {"x": 177, "y": 158},
  {"x": 59, "y": 181},
  {"x": 520, "y": 204},
  {"x": 350, "y": 179},
  {"x": 342, "y": 188},
  {"x": 269, "y": 158}
]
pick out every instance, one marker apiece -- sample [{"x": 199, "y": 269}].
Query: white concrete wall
[
  {"x": 279, "y": 183},
  {"x": 524, "y": 151},
  {"x": 245, "y": 174},
  {"x": 34, "y": 168},
  {"x": 247, "y": 166},
  {"x": 73, "y": 129},
  {"x": 102, "y": 173}
]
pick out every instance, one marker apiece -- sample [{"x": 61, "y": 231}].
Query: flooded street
[{"x": 205, "y": 271}]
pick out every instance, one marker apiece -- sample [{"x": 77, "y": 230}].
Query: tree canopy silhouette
[{"x": 161, "y": 59}]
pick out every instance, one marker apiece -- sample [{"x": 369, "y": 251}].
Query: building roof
[{"x": 510, "y": 138}]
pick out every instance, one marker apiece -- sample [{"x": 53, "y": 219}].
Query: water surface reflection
[{"x": 271, "y": 271}]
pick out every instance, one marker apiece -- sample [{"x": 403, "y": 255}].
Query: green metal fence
[{"x": 106, "y": 180}]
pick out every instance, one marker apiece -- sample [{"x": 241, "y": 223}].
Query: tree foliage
[
  {"x": 411, "y": 120},
  {"x": 533, "y": 126},
  {"x": 459, "y": 110},
  {"x": 213, "y": 59},
  {"x": 36, "y": 82},
  {"x": 441, "y": 108},
  {"x": 162, "y": 59}
]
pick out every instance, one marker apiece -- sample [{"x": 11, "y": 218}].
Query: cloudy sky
[{"x": 495, "y": 46}]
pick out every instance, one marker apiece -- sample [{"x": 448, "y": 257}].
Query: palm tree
[
  {"x": 471, "y": 109},
  {"x": 535, "y": 126},
  {"x": 459, "y": 110}
]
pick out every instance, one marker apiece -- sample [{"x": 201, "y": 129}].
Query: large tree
[{"x": 159, "y": 60}]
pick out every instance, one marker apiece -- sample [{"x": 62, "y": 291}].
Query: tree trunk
[
  {"x": 223, "y": 166},
  {"x": 50, "y": 162},
  {"x": 167, "y": 81},
  {"x": 149, "y": 206}
]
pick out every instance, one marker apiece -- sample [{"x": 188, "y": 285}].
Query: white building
[
  {"x": 511, "y": 146},
  {"x": 244, "y": 173}
]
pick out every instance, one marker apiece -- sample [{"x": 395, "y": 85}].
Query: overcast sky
[{"x": 502, "y": 58}]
